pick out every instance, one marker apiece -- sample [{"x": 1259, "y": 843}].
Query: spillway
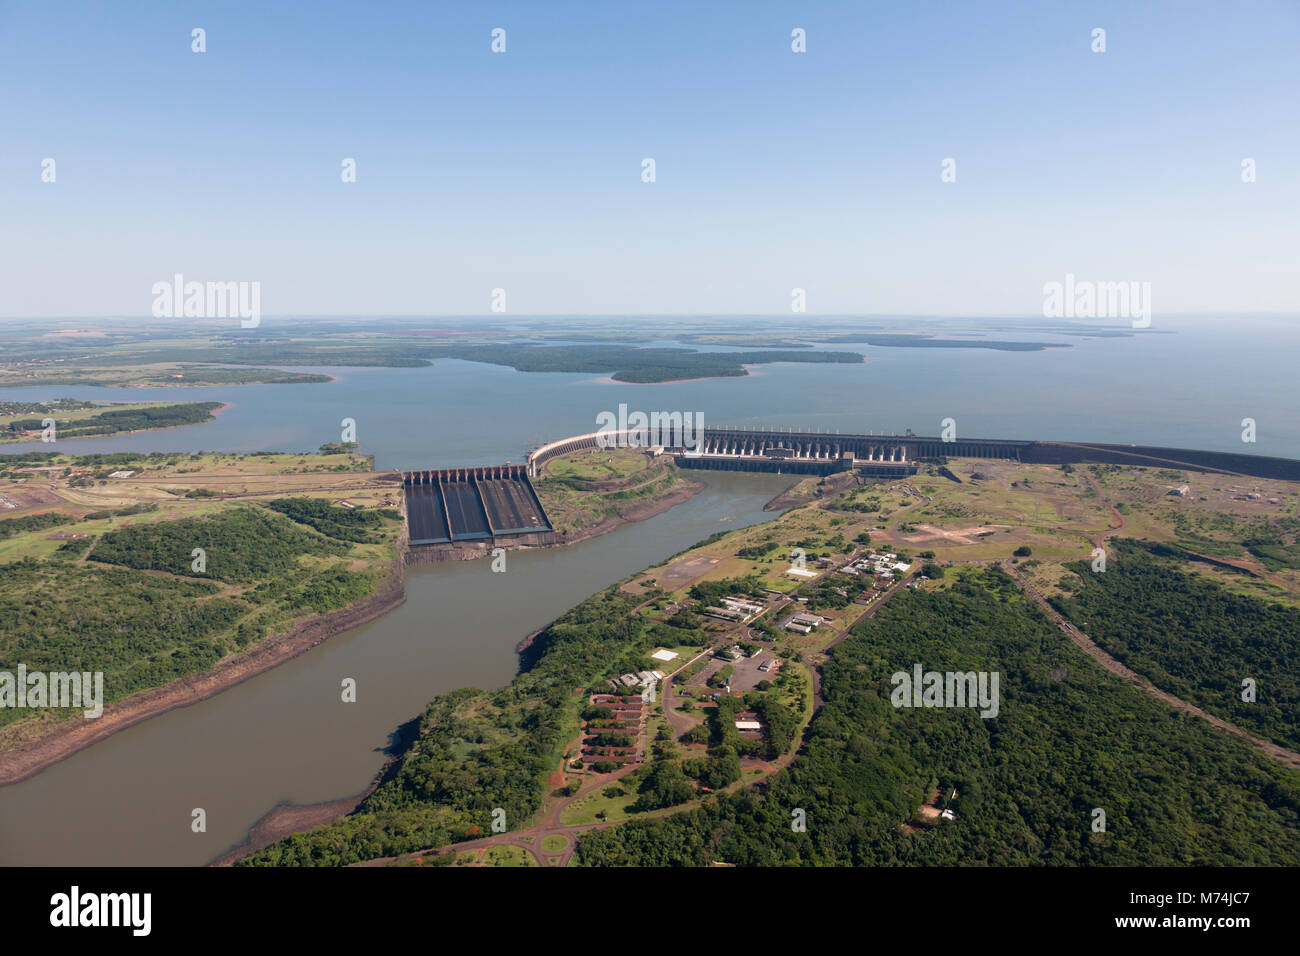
[{"x": 472, "y": 505}]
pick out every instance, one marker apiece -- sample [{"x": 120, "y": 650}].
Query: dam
[
  {"x": 476, "y": 506},
  {"x": 462, "y": 512}
]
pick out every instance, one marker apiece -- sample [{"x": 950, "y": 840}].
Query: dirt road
[{"x": 1089, "y": 647}]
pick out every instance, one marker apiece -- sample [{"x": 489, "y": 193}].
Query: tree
[{"x": 723, "y": 768}]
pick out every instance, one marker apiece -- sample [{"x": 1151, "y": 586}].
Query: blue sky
[{"x": 775, "y": 170}]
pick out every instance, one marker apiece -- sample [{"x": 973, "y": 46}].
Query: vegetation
[
  {"x": 139, "y": 630},
  {"x": 37, "y": 522},
  {"x": 478, "y": 750},
  {"x": 1026, "y": 789},
  {"x": 1193, "y": 637},
  {"x": 709, "y": 593},
  {"x": 913, "y": 340},
  {"x": 631, "y": 364},
  {"x": 342, "y": 524},
  {"x": 115, "y": 421},
  {"x": 664, "y": 786},
  {"x": 240, "y": 545},
  {"x": 116, "y": 613}
]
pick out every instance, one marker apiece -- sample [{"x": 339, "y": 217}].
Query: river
[{"x": 286, "y": 735}]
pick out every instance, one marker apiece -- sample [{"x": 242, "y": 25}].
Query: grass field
[{"x": 582, "y": 490}]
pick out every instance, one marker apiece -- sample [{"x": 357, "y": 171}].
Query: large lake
[{"x": 1189, "y": 385}]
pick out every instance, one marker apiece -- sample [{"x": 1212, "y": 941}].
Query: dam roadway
[
  {"x": 814, "y": 452},
  {"x": 455, "y": 513}
]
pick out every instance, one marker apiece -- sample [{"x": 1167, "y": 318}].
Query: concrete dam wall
[
  {"x": 450, "y": 505},
  {"x": 464, "y": 512}
]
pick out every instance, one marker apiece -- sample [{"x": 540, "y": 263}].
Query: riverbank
[
  {"x": 24, "y": 758},
  {"x": 287, "y": 819},
  {"x": 31, "y": 757},
  {"x": 636, "y": 511}
]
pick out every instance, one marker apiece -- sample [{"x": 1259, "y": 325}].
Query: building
[
  {"x": 735, "y": 609},
  {"x": 743, "y": 605},
  {"x": 748, "y": 725}
]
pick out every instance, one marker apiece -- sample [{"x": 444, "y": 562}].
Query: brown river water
[{"x": 286, "y": 736}]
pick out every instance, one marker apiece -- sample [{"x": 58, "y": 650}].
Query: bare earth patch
[
  {"x": 958, "y": 536},
  {"x": 683, "y": 571}
]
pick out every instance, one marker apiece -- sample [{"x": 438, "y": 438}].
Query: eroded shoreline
[
  {"x": 286, "y": 819},
  {"x": 30, "y": 758}
]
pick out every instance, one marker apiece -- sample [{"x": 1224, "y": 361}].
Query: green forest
[
  {"x": 627, "y": 363},
  {"x": 1069, "y": 739},
  {"x": 633, "y": 364},
  {"x": 143, "y": 630},
  {"x": 343, "y": 524},
  {"x": 140, "y": 630},
  {"x": 1193, "y": 637},
  {"x": 115, "y": 421},
  {"x": 37, "y": 522},
  {"x": 241, "y": 545}
]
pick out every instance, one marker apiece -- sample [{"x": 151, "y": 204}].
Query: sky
[{"x": 774, "y": 170}]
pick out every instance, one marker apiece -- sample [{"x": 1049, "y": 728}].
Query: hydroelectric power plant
[{"x": 464, "y": 512}]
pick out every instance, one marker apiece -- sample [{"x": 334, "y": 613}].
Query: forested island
[
  {"x": 205, "y": 353},
  {"x": 76, "y": 419}
]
